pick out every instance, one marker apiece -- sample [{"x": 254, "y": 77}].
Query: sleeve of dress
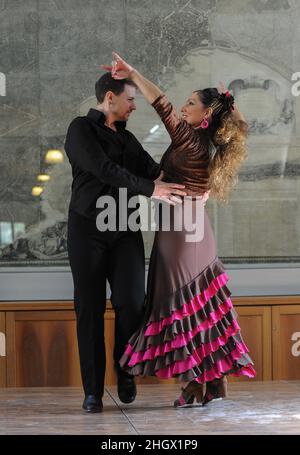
[{"x": 179, "y": 130}]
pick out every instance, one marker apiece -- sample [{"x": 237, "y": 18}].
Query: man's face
[{"x": 122, "y": 105}]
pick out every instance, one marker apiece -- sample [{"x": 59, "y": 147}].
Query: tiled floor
[{"x": 251, "y": 408}]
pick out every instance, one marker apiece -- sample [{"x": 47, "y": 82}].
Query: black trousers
[{"x": 94, "y": 257}]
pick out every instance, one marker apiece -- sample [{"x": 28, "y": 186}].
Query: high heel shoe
[
  {"x": 216, "y": 389},
  {"x": 189, "y": 393}
]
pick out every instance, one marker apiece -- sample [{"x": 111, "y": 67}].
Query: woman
[{"x": 190, "y": 330}]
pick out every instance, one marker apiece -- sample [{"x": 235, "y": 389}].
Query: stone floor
[{"x": 251, "y": 408}]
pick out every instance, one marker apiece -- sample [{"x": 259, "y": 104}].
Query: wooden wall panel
[
  {"x": 286, "y": 342},
  {"x": 42, "y": 349},
  {"x": 3, "y": 350},
  {"x": 41, "y": 342},
  {"x": 255, "y": 323},
  {"x": 110, "y": 376}
]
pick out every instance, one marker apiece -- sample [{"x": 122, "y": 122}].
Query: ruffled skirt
[{"x": 190, "y": 329}]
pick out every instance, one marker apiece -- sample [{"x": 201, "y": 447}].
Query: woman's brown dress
[{"x": 190, "y": 328}]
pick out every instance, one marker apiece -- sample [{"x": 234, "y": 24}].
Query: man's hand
[{"x": 167, "y": 191}]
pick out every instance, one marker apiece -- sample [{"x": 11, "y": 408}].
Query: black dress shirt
[{"x": 103, "y": 161}]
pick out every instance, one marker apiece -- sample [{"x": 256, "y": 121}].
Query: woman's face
[{"x": 194, "y": 111}]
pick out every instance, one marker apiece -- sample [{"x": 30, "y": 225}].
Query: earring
[{"x": 204, "y": 123}]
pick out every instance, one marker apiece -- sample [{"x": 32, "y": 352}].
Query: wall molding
[{"x": 56, "y": 283}]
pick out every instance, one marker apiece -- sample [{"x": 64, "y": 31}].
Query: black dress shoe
[
  {"x": 126, "y": 386},
  {"x": 92, "y": 403}
]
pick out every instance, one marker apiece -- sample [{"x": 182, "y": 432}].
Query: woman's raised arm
[
  {"x": 122, "y": 70},
  {"x": 178, "y": 129}
]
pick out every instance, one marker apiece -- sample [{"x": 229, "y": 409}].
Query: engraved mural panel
[{"x": 50, "y": 57}]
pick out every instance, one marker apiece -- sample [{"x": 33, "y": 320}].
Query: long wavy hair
[{"x": 229, "y": 143}]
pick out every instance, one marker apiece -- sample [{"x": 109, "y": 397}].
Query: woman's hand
[
  {"x": 119, "y": 69},
  {"x": 221, "y": 88},
  {"x": 122, "y": 70}
]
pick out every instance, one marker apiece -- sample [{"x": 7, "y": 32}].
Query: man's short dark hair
[{"x": 108, "y": 83}]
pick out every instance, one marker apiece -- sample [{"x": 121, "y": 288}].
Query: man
[{"x": 105, "y": 157}]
